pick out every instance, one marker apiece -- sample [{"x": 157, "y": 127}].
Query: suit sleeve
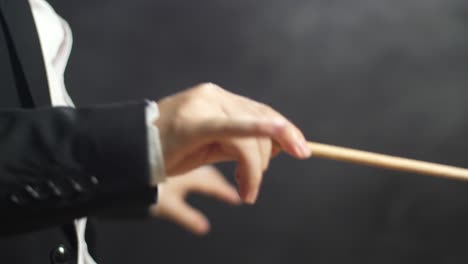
[{"x": 58, "y": 164}]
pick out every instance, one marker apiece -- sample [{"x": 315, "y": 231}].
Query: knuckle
[
  {"x": 207, "y": 88},
  {"x": 256, "y": 127},
  {"x": 268, "y": 110},
  {"x": 205, "y": 188},
  {"x": 182, "y": 122},
  {"x": 264, "y": 106}
]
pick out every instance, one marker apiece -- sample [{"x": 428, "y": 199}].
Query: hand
[
  {"x": 172, "y": 205},
  {"x": 207, "y": 124}
]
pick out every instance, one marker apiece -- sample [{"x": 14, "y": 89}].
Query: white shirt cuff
[{"x": 155, "y": 154}]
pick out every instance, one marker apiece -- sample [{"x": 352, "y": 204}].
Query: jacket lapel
[{"x": 23, "y": 33}]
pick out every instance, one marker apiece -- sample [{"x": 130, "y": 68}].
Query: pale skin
[
  {"x": 205, "y": 180},
  {"x": 207, "y": 124}
]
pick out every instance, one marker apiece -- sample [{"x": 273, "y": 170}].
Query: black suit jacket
[{"x": 58, "y": 164}]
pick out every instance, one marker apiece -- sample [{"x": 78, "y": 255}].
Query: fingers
[
  {"x": 197, "y": 127},
  {"x": 172, "y": 206},
  {"x": 279, "y": 130},
  {"x": 204, "y": 180},
  {"x": 252, "y": 156},
  {"x": 292, "y": 139},
  {"x": 265, "y": 147},
  {"x": 223, "y": 127},
  {"x": 249, "y": 169},
  {"x": 211, "y": 182},
  {"x": 187, "y": 217},
  {"x": 246, "y": 117}
]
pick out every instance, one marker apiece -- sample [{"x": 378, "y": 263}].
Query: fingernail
[
  {"x": 298, "y": 150},
  {"x": 242, "y": 192},
  {"x": 203, "y": 228},
  {"x": 237, "y": 200},
  {"x": 301, "y": 150},
  {"x": 251, "y": 198},
  {"x": 305, "y": 150}
]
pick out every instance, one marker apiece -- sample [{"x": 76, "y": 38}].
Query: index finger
[
  {"x": 291, "y": 139},
  {"x": 277, "y": 128}
]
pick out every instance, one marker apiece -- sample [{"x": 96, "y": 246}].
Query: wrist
[{"x": 155, "y": 153}]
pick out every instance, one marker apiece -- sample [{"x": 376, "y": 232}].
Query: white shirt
[{"x": 56, "y": 42}]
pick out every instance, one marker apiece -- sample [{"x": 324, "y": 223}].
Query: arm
[{"x": 57, "y": 164}]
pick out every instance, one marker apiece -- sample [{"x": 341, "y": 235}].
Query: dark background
[{"x": 382, "y": 75}]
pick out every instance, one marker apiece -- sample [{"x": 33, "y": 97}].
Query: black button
[
  {"x": 32, "y": 192},
  {"x": 76, "y": 186},
  {"x": 55, "y": 189},
  {"x": 94, "y": 180},
  {"x": 19, "y": 199},
  {"x": 60, "y": 255}
]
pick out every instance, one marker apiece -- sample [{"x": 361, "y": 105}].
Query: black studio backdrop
[{"x": 382, "y": 75}]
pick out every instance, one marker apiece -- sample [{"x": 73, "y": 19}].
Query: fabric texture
[
  {"x": 56, "y": 42},
  {"x": 60, "y": 164}
]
